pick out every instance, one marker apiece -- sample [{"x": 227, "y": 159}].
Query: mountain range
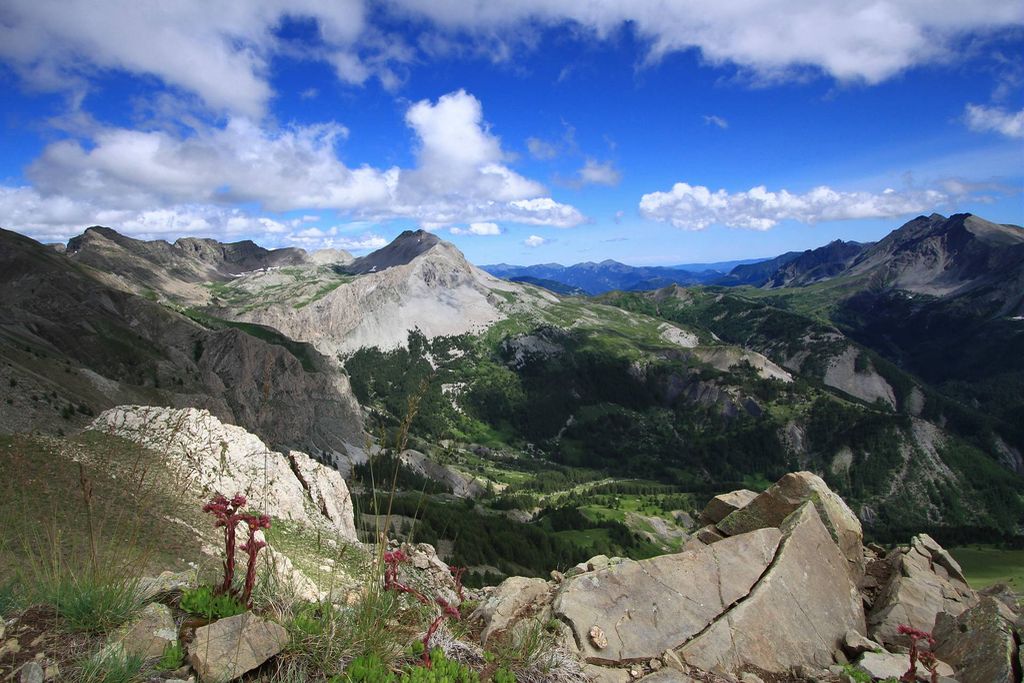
[{"x": 892, "y": 368}]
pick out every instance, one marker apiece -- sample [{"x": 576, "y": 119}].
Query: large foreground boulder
[
  {"x": 980, "y": 643},
  {"x": 634, "y": 611},
  {"x": 789, "y": 493},
  {"x": 924, "y": 582},
  {"x": 798, "y": 614}
]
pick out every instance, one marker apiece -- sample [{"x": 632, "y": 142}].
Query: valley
[{"x": 591, "y": 425}]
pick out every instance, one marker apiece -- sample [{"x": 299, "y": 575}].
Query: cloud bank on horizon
[{"x": 332, "y": 124}]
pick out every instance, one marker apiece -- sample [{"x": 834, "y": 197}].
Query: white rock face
[
  {"x": 220, "y": 458},
  {"x": 438, "y": 292},
  {"x": 868, "y": 386},
  {"x": 725, "y": 357}
]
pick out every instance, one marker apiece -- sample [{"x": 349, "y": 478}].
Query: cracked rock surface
[{"x": 647, "y": 607}]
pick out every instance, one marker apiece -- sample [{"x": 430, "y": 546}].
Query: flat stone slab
[
  {"x": 644, "y": 608},
  {"x": 785, "y": 496},
  {"x": 230, "y": 647},
  {"x": 798, "y": 613}
]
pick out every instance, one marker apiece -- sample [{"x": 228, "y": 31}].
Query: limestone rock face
[
  {"x": 797, "y": 614},
  {"x": 723, "y": 504},
  {"x": 647, "y": 607},
  {"x": 230, "y": 647},
  {"x": 223, "y": 458},
  {"x": 924, "y": 581},
  {"x": 785, "y": 496},
  {"x": 515, "y": 594},
  {"x": 979, "y": 644}
]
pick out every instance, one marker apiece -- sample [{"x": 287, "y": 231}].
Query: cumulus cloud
[
  {"x": 461, "y": 174},
  {"x": 534, "y": 241},
  {"x": 225, "y": 57},
  {"x": 713, "y": 120},
  {"x": 995, "y": 119},
  {"x": 859, "y": 40},
  {"x": 599, "y": 173},
  {"x": 690, "y": 207},
  {"x": 477, "y": 229},
  {"x": 222, "y": 56}
]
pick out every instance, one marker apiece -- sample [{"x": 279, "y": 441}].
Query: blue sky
[{"x": 647, "y": 131}]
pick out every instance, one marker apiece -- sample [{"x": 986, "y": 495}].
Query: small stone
[
  {"x": 655, "y": 664},
  {"x": 557, "y": 576},
  {"x": 855, "y": 644},
  {"x": 230, "y": 647},
  {"x": 31, "y": 673},
  {"x": 635, "y": 672},
  {"x": 598, "y": 638},
  {"x": 749, "y": 677},
  {"x": 12, "y": 646}
]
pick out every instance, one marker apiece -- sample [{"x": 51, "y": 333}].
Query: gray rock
[
  {"x": 147, "y": 635},
  {"x": 723, "y": 504},
  {"x": 979, "y": 644},
  {"x": 789, "y": 493},
  {"x": 600, "y": 674},
  {"x": 167, "y": 582},
  {"x": 230, "y": 647},
  {"x": 923, "y": 583},
  {"x": 31, "y": 672},
  {"x": 855, "y": 644},
  {"x": 796, "y": 615},
  {"x": 669, "y": 676},
  {"x": 646, "y": 607},
  {"x": 513, "y": 597},
  {"x": 882, "y": 665}
]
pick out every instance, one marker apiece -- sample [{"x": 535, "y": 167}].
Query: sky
[{"x": 652, "y": 132}]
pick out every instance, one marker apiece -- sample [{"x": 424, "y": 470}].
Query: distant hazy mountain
[
  {"x": 608, "y": 275},
  {"x": 550, "y": 285}
]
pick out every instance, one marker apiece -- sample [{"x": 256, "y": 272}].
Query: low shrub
[{"x": 205, "y": 602}]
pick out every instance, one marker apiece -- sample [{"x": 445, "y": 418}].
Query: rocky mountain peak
[{"x": 402, "y": 250}]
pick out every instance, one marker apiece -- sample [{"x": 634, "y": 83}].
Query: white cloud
[
  {"x": 225, "y": 55},
  {"x": 696, "y": 207},
  {"x": 984, "y": 119},
  {"x": 713, "y": 120},
  {"x": 534, "y": 241},
  {"x": 868, "y": 40},
  {"x": 220, "y": 54},
  {"x": 599, "y": 173},
  {"x": 56, "y": 218},
  {"x": 461, "y": 175},
  {"x": 477, "y": 229},
  {"x": 541, "y": 149}
]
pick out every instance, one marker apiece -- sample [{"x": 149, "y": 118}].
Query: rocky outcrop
[
  {"x": 230, "y": 647},
  {"x": 219, "y": 458},
  {"x": 507, "y": 603},
  {"x": 924, "y": 581},
  {"x": 794, "y": 616},
  {"x": 982, "y": 643},
  {"x": 773, "y": 588},
  {"x": 770, "y": 508},
  {"x": 719, "y": 507},
  {"x": 644, "y": 608}
]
